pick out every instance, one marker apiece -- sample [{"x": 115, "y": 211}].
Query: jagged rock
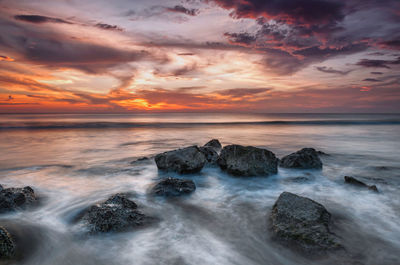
[
  {"x": 247, "y": 161},
  {"x": 215, "y": 144},
  {"x": 173, "y": 187},
  {"x": 306, "y": 158},
  {"x": 117, "y": 213},
  {"x": 7, "y": 245},
  {"x": 302, "y": 223},
  {"x": 16, "y": 198},
  {"x": 356, "y": 182},
  {"x": 186, "y": 160}
]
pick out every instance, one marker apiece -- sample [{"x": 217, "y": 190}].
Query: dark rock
[
  {"x": 215, "y": 144},
  {"x": 140, "y": 160},
  {"x": 211, "y": 151},
  {"x": 247, "y": 161},
  {"x": 16, "y": 198},
  {"x": 306, "y": 158},
  {"x": 117, "y": 213},
  {"x": 7, "y": 246},
  {"x": 321, "y": 153},
  {"x": 356, "y": 182},
  {"x": 186, "y": 160},
  {"x": 173, "y": 187},
  {"x": 302, "y": 223}
]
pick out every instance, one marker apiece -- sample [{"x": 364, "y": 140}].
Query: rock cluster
[
  {"x": 302, "y": 223},
  {"x": 306, "y": 158},
  {"x": 117, "y": 213},
  {"x": 173, "y": 187},
  {"x": 16, "y": 198}
]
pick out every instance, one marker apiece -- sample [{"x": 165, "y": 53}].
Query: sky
[{"x": 102, "y": 56}]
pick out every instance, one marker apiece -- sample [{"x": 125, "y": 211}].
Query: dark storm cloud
[
  {"x": 391, "y": 44},
  {"x": 377, "y": 73},
  {"x": 241, "y": 92},
  {"x": 293, "y": 11},
  {"x": 108, "y": 27},
  {"x": 330, "y": 70},
  {"x": 371, "y": 80},
  {"x": 40, "y": 19},
  {"x": 183, "y": 10},
  {"x": 240, "y": 38},
  {"x": 45, "y": 46},
  {"x": 378, "y": 63},
  {"x": 327, "y": 52}
]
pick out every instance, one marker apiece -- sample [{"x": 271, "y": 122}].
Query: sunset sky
[{"x": 205, "y": 55}]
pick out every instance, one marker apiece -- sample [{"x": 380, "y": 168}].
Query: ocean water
[{"x": 73, "y": 161}]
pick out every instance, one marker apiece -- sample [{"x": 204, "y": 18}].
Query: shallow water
[{"x": 73, "y": 161}]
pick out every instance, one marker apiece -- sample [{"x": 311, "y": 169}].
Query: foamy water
[{"x": 73, "y": 161}]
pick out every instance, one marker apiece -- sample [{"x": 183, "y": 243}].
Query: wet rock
[
  {"x": 306, "y": 158},
  {"x": 173, "y": 187},
  {"x": 140, "y": 160},
  {"x": 356, "y": 182},
  {"x": 215, "y": 144},
  {"x": 117, "y": 213},
  {"x": 321, "y": 153},
  {"x": 16, "y": 198},
  {"x": 7, "y": 246},
  {"x": 183, "y": 161},
  {"x": 302, "y": 223},
  {"x": 247, "y": 161}
]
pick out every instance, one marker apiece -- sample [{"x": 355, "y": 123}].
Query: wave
[{"x": 99, "y": 125}]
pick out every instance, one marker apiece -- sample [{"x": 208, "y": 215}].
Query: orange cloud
[{"x": 6, "y": 58}]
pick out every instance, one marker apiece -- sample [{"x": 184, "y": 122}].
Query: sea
[{"x": 73, "y": 161}]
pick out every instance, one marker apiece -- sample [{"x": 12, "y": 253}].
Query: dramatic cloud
[
  {"x": 40, "y": 19},
  {"x": 371, "y": 80},
  {"x": 6, "y": 58},
  {"x": 240, "y": 38},
  {"x": 183, "y": 10},
  {"x": 378, "y": 63},
  {"x": 330, "y": 70},
  {"x": 108, "y": 26}
]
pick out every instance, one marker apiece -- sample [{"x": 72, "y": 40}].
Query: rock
[
  {"x": 16, "y": 198},
  {"x": 140, "y": 160},
  {"x": 321, "y": 153},
  {"x": 306, "y": 158},
  {"x": 173, "y": 187},
  {"x": 302, "y": 223},
  {"x": 211, "y": 151},
  {"x": 7, "y": 245},
  {"x": 117, "y": 213},
  {"x": 247, "y": 161},
  {"x": 183, "y": 161},
  {"x": 356, "y": 182},
  {"x": 215, "y": 144}
]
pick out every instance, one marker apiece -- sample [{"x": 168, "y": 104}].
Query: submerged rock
[
  {"x": 173, "y": 187},
  {"x": 186, "y": 160},
  {"x": 7, "y": 246},
  {"x": 16, "y": 198},
  {"x": 117, "y": 213},
  {"x": 247, "y": 161},
  {"x": 306, "y": 158},
  {"x": 211, "y": 151},
  {"x": 302, "y": 223},
  {"x": 356, "y": 182}
]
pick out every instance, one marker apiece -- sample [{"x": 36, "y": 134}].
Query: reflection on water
[{"x": 226, "y": 220}]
